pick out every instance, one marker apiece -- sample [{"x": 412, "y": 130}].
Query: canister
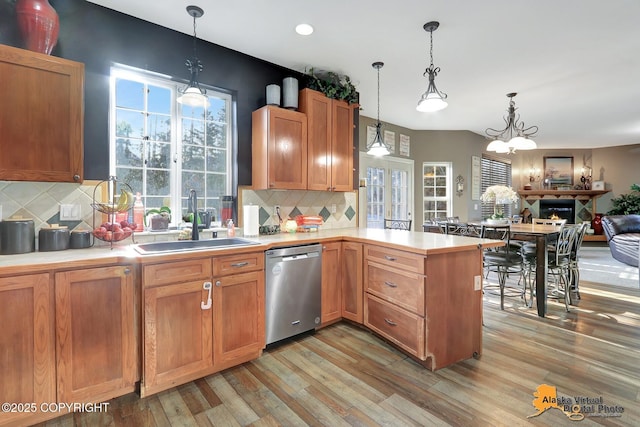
[
  {"x": 80, "y": 239},
  {"x": 17, "y": 236},
  {"x": 53, "y": 238}
]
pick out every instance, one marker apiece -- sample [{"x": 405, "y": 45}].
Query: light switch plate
[
  {"x": 69, "y": 212},
  {"x": 477, "y": 283}
]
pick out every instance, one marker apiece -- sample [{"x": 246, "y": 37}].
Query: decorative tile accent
[
  {"x": 350, "y": 213},
  {"x": 263, "y": 216},
  {"x": 294, "y": 213},
  {"x": 325, "y": 214}
]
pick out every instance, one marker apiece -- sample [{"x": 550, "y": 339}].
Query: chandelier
[
  {"x": 514, "y": 136},
  {"x": 432, "y": 100},
  {"x": 193, "y": 95},
  {"x": 377, "y": 146}
]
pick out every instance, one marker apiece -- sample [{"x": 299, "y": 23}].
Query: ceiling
[{"x": 574, "y": 63}]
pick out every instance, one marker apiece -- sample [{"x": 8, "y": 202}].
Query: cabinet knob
[
  {"x": 218, "y": 283},
  {"x": 127, "y": 270},
  {"x": 76, "y": 177}
]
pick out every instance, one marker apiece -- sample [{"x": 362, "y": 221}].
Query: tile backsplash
[
  {"x": 301, "y": 202},
  {"x": 41, "y": 201}
]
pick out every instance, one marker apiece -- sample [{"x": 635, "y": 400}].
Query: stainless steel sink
[{"x": 191, "y": 245}]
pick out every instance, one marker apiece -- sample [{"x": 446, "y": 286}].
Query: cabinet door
[
  {"x": 95, "y": 333},
  {"x": 238, "y": 318},
  {"x": 352, "y": 284},
  {"x": 342, "y": 151},
  {"x": 331, "y": 282},
  {"x": 279, "y": 144},
  {"x": 318, "y": 109},
  {"x": 42, "y": 117},
  {"x": 177, "y": 335},
  {"x": 27, "y": 368}
]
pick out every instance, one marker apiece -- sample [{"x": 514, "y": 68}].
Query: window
[
  {"x": 163, "y": 149},
  {"x": 495, "y": 171},
  {"x": 436, "y": 188}
]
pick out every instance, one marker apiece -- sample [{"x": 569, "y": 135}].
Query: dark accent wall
[{"x": 99, "y": 37}]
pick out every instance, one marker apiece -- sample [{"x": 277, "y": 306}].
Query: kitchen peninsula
[{"x": 72, "y": 311}]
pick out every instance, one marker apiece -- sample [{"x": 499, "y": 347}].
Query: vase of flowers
[{"x": 499, "y": 195}]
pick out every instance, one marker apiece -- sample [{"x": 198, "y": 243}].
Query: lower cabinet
[
  {"x": 27, "y": 347},
  {"x": 352, "y": 283},
  {"x": 201, "y": 316},
  {"x": 96, "y": 350},
  {"x": 331, "y": 301}
]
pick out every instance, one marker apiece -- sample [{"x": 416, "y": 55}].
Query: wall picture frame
[{"x": 558, "y": 170}]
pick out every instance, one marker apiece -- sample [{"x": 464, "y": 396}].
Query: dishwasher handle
[{"x": 294, "y": 257}]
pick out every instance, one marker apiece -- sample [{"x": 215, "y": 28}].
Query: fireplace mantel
[{"x": 562, "y": 194}]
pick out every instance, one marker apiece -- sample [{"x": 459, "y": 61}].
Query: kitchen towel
[{"x": 251, "y": 220}]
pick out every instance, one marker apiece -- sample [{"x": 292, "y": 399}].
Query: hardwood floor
[{"x": 343, "y": 375}]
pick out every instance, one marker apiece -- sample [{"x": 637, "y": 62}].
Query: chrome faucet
[{"x": 193, "y": 207}]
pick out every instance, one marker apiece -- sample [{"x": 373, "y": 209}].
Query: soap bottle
[
  {"x": 231, "y": 229},
  {"x": 138, "y": 213}
]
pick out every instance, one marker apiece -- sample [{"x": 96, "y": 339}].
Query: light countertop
[{"x": 416, "y": 242}]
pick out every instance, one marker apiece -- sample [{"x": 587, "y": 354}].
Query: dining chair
[
  {"x": 560, "y": 272},
  {"x": 397, "y": 224},
  {"x": 503, "y": 261},
  {"x": 575, "y": 258}
]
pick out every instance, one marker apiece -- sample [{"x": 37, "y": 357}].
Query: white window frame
[
  {"x": 448, "y": 198},
  {"x": 178, "y": 200}
]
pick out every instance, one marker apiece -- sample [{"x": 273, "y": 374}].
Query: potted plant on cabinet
[{"x": 332, "y": 85}]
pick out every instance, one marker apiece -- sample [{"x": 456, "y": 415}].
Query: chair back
[
  {"x": 397, "y": 224},
  {"x": 577, "y": 242},
  {"x": 546, "y": 221},
  {"x": 432, "y": 228},
  {"x": 565, "y": 243},
  {"x": 497, "y": 232}
]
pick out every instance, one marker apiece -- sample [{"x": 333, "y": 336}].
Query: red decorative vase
[
  {"x": 38, "y": 23},
  {"x": 596, "y": 223}
]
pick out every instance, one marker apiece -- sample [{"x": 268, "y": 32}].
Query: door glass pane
[
  {"x": 399, "y": 194},
  {"x": 437, "y": 196},
  {"x": 375, "y": 197}
]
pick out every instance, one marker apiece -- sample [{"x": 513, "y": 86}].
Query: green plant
[
  {"x": 333, "y": 85},
  {"x": 627, "y": 204}
]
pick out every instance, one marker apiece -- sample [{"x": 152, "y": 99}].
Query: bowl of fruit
[{"x": 114, "y": 231}]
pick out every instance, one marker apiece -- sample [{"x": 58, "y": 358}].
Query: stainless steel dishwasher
[{"x": 293, "y": 290}]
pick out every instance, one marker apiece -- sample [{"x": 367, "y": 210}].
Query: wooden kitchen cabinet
[
  {"x": 238, "y": 309},
  {"x": 331, "y": 300},
  {"x": 96, "y": 340},
  {"x": 330, "y": 142},
  {"x": 352, "y": 283},
  {"x": 42, "y": 116},
  {"x": 27, "y": 348},
  {"x": 279, "y": 149},
  {"x": 178, "y": 326}
]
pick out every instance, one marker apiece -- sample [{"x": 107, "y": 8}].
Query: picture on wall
[{"x": 558, "y": 170}]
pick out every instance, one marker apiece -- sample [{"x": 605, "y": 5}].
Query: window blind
[{"x": 495, "y": 171}]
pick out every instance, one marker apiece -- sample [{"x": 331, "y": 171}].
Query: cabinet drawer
[
  {"x": 176, "y": 272},
  {"x": 401, "y": 327},
  {"x": 232, "y": 264},
  {"x": 399, "y": 259},
  {"x": 404, "y": 289}
]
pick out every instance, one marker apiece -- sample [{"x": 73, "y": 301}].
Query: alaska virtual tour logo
[{"x": 575, "y": 408}]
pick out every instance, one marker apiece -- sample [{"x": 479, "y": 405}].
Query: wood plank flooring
[{"x": 345, "y": 376}]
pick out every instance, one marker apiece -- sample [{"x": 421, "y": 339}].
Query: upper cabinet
[
  {"x": 41, "y": 117},
  {"x": 279, "y": 144},
  {"x": 329, "y": 143}
]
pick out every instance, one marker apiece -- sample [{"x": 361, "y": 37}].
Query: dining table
[{"x": 543, "y": 235}]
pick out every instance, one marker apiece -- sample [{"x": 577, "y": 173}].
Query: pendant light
[
  {"x": 432, "y": 100},
  {"x": 193, "y": 95},
  {"x": 377, "y": 146},
  {"x": 514, "y": 136}
]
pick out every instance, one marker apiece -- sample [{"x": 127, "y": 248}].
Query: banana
[{"x": 123, "y": 201}]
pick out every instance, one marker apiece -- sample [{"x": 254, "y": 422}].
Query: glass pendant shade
[
  {"x": 193, "y": 97},
  {"x": 378, "y": 147},
  {"x": 431, "y": 102},
  {"x": 522, "y": 143}
]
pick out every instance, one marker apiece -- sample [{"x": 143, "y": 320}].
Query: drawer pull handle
[
  {"x": 240, "y": 264},
  {"x": 390, "y": 258},
  {"x": 390, "y": 322},
  {"x": 206, "y": 305},
  {"x": 390, "y": 284}
]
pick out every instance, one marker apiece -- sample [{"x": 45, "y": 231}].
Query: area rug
[{"x": 597, "y": 265}]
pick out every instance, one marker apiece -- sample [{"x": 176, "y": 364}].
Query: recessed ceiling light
[{"x": 304, "y": 29}]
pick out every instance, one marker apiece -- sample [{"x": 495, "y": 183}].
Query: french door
[{"x": 389, "y": 190}]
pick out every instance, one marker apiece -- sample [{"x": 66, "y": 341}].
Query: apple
[
  {"x": 118, "y": 234},
  {"x": 108, "y": 236},
  {"x": 124, "y": 223}
]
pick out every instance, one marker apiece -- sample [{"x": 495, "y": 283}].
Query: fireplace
[{"x": 562, "y": 208}]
